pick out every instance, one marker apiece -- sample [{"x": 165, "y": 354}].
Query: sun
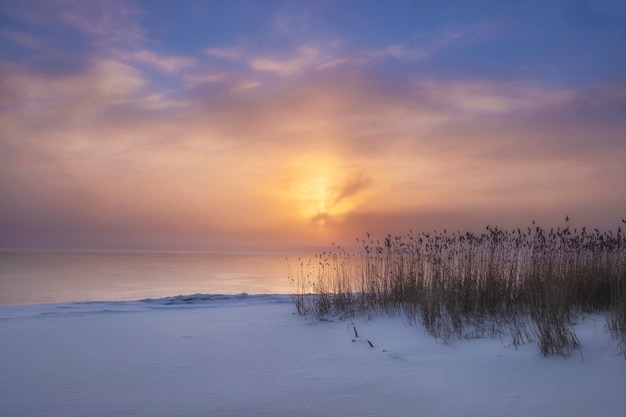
[
  {"x": 322, "y": 193},
  {"x": 314, "y": 197}
]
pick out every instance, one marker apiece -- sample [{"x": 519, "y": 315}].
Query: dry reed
[{"x": 526, "y": 285}]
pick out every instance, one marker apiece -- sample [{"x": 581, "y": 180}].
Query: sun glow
[
  {"x": 313, "y": 197},
  {"x": 323, "y": 192}
]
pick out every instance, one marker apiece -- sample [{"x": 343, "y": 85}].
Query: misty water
[{"x": 54, "y": 277}]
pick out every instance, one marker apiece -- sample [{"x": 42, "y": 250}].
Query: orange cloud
[{"x": 325, "y": 157}]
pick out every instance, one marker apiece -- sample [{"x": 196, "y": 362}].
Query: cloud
[
  {"x": 308, "y": 144},
  {"x": 102, "y": 84},
  {"x": 261, "y": 163},
  {"x": 352, "y": 187},
  {"x": 205, "y": 77},
  {"x": 489, "y": 97},
  {"x": 425, "y": 45},
  {"x": 108, "y": 21},
  {"x": 225, "y": 53},
  {"x": 168, "y": 64},
  {"x": 303, "y": 59},
  {"x": 305, "y": 56},
  {"x": 398, "y": 51},
  {"x": 246, "y": 85},
  {"x": 360, "y": 116},
  {"x": 21, "y": 38}
]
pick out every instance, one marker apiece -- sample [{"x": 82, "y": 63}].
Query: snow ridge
[{"x": 172, "y": 302}]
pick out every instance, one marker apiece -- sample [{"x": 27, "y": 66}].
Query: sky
[{"x": 280, "y": 125}]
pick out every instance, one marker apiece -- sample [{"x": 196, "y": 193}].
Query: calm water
[{"x": 51, "y": 277}]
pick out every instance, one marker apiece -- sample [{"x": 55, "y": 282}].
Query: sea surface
[{"x": 57, "y": 277}]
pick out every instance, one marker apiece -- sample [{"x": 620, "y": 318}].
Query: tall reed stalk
[{"x": 526, "y": 285}]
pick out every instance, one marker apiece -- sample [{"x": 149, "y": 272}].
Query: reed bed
[{"x": 520, "y": 285}]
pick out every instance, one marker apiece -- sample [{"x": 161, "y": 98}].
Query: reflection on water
[{"x": 48, "y": 277}]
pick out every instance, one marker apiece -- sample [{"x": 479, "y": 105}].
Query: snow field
[{"x": 254, "y": 356}]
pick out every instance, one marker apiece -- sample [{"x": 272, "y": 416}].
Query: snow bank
[
  {"x": 208, "y": 355},
  {"x": 173, "y": 302}
]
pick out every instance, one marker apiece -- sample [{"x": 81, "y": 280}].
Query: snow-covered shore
[{"x": 251, "y": 355}]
